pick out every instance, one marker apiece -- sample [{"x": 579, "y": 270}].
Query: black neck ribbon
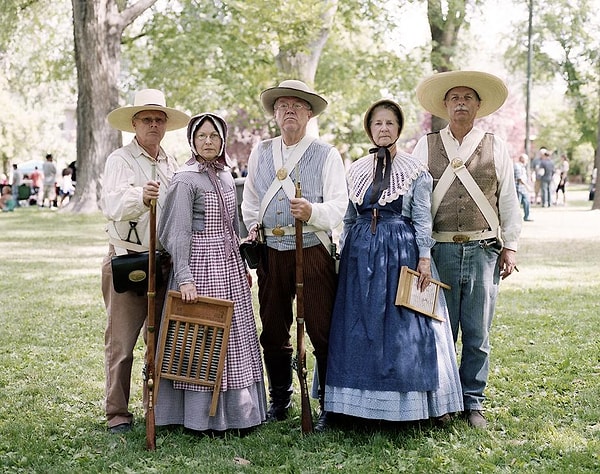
[{"x": 381, "y": 180}]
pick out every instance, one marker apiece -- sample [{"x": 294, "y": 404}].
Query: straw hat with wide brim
[
  {"x": 491, "y": 90},
  {"x": 146, "y": 99},
  {"x": 292, "y": 88}
]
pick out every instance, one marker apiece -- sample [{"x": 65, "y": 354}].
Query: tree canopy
[{"x": 219, "y": 55}]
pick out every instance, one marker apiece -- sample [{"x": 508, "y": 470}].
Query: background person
[
  {"x": 37, "y": 183},
  {"x": 49, "y": 182},
  {"x": 522, "y": 184},
  {"x": 274, "y": 166},
  {"x": 200, "y": 229},
  {"x": 546, "y": 169},
  {"x": 17, "y": 179},
  {"x": 7, "y": 203},
  {"x": 385, "y": 361},
  {"x": 128, "y": 188},
  {"x": 66, "y": 187},
  {"x": 563, "y": 177},
  {"x": 476, "y": 215}
]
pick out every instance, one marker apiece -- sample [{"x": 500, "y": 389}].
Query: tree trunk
[
  {"x": 444, "y": 36},
  {"x": 97, "y": 29},
  {"x": 303, "y": 65},
  {"x": 596, "y": 203}
]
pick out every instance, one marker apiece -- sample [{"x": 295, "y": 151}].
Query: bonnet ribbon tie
[{"x": 381, "y": 179}]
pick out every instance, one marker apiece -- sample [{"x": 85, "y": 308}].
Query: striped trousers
[{"x": 276, "y": 293}]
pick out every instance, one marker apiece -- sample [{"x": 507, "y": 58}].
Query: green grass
[{"x": 543, "y": 401}]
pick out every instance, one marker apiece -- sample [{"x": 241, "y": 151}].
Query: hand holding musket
[
  {"x": 150, "y": 339},
  {"x": 307, "y": 424}
]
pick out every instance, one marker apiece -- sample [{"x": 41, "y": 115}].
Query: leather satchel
[
  {"x": 251, "y": 253},
  {"x": 130, "y": 272}
]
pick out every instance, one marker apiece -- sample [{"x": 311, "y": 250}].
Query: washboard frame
[
  {"x": 425, "y": 302},
  {"x": 193, "y": 342}
]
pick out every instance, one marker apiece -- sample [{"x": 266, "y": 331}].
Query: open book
[{"x": 425, "y": 302}]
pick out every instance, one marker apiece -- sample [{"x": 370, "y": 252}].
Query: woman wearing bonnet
[
  {"x": 199, "y": 228},
  {"x": 387, "y": 362}
]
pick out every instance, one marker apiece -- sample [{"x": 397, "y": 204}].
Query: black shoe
[
  {"x": 121, "y": 428},
  {"x": 323, "y": 422},
  {"x": 443, "y": 420},
  {"x": 277, "y": 412}
]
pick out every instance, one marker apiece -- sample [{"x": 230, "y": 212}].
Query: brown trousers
[
  {"x": 127, "y": 313},
  {"x": 276, "y": 292}
]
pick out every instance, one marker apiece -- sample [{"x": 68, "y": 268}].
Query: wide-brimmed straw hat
[
  {"x": 146, "y": 99},
  {"x": 389, "y": 103},
  {"x": 491, "y": 90},
  {"x": 292, "y": 88}
]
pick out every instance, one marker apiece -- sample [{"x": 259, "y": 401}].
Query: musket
[
  {"x": 150, "y": 337},
  {"x": 307, "y": 423}
]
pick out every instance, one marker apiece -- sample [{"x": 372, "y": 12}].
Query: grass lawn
[{"x": 543, "y": 402}]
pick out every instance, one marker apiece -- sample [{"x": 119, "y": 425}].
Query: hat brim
[
  {"x": 491, "y": 90},
  {"x": 121, "y": 118},
  {"x": 268, "y": 97}
]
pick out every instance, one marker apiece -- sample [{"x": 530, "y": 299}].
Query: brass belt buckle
[
  {"x": 460, "y": 239},
  {"x": 278, "y": 232}
]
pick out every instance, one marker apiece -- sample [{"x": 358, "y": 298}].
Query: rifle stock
[
  {"x": 307, "y": 423},
  {"x": 151, "y": 336}
]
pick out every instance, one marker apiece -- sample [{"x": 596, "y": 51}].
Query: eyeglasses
[
  {"x": 213, "y": 137},
  {"x": 150, "y": 120},
  {"x": 285, "y": 107}
]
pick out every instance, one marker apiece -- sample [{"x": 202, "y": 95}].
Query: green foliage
[
  {"x": 220, "y": 56},
  {"x": 37, "y": 83},
  {"x": 565, "y": 47},
  {"x": 542, "y": 396}
]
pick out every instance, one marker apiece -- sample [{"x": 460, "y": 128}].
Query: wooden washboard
[{"x": 193, "y": 342}]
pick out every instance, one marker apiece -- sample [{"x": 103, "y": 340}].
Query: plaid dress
[{"x": 193, "y": 231}]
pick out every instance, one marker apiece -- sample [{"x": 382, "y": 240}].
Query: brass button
[
  {"x": 456, "y": 163},
  {"x": 281, "y": 174}
]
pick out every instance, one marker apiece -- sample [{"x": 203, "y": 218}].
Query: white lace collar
[{"x": 405, "y": 168}]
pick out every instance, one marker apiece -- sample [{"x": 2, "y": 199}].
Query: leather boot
[
  {"x": 279, "y": 374},
  {"x": 325, "y": 416}
]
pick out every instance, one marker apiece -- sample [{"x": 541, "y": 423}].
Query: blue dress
[{"x": 385, "y": 361}]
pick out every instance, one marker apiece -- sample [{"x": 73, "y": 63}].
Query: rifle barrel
[
  {"x": 307, "y": 424},
  {"x": 150, "y": 349}
]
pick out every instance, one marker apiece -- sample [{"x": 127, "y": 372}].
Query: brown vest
[{"x": 458, "y": 212}]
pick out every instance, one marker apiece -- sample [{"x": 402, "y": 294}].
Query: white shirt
[{"x": 126, "y": 171}]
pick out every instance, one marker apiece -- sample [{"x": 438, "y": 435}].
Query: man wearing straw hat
[
  {"x": 269, "y": 204},
  {"x": 476, "y": 215},
  {"x": 134, "y": 175}
]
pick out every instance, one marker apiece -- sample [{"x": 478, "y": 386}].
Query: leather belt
[
  {"x": 280, "y": 231},
  {"x": 464, "y": 237}
]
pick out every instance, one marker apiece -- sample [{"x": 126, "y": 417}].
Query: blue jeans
[
  {"x": 473, "y": 274},
  {"x": 524, "y": 200},
  {"x": 546, "y": 194}
]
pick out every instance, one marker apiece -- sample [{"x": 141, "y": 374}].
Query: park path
[{"x": 575, "y": 221}]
